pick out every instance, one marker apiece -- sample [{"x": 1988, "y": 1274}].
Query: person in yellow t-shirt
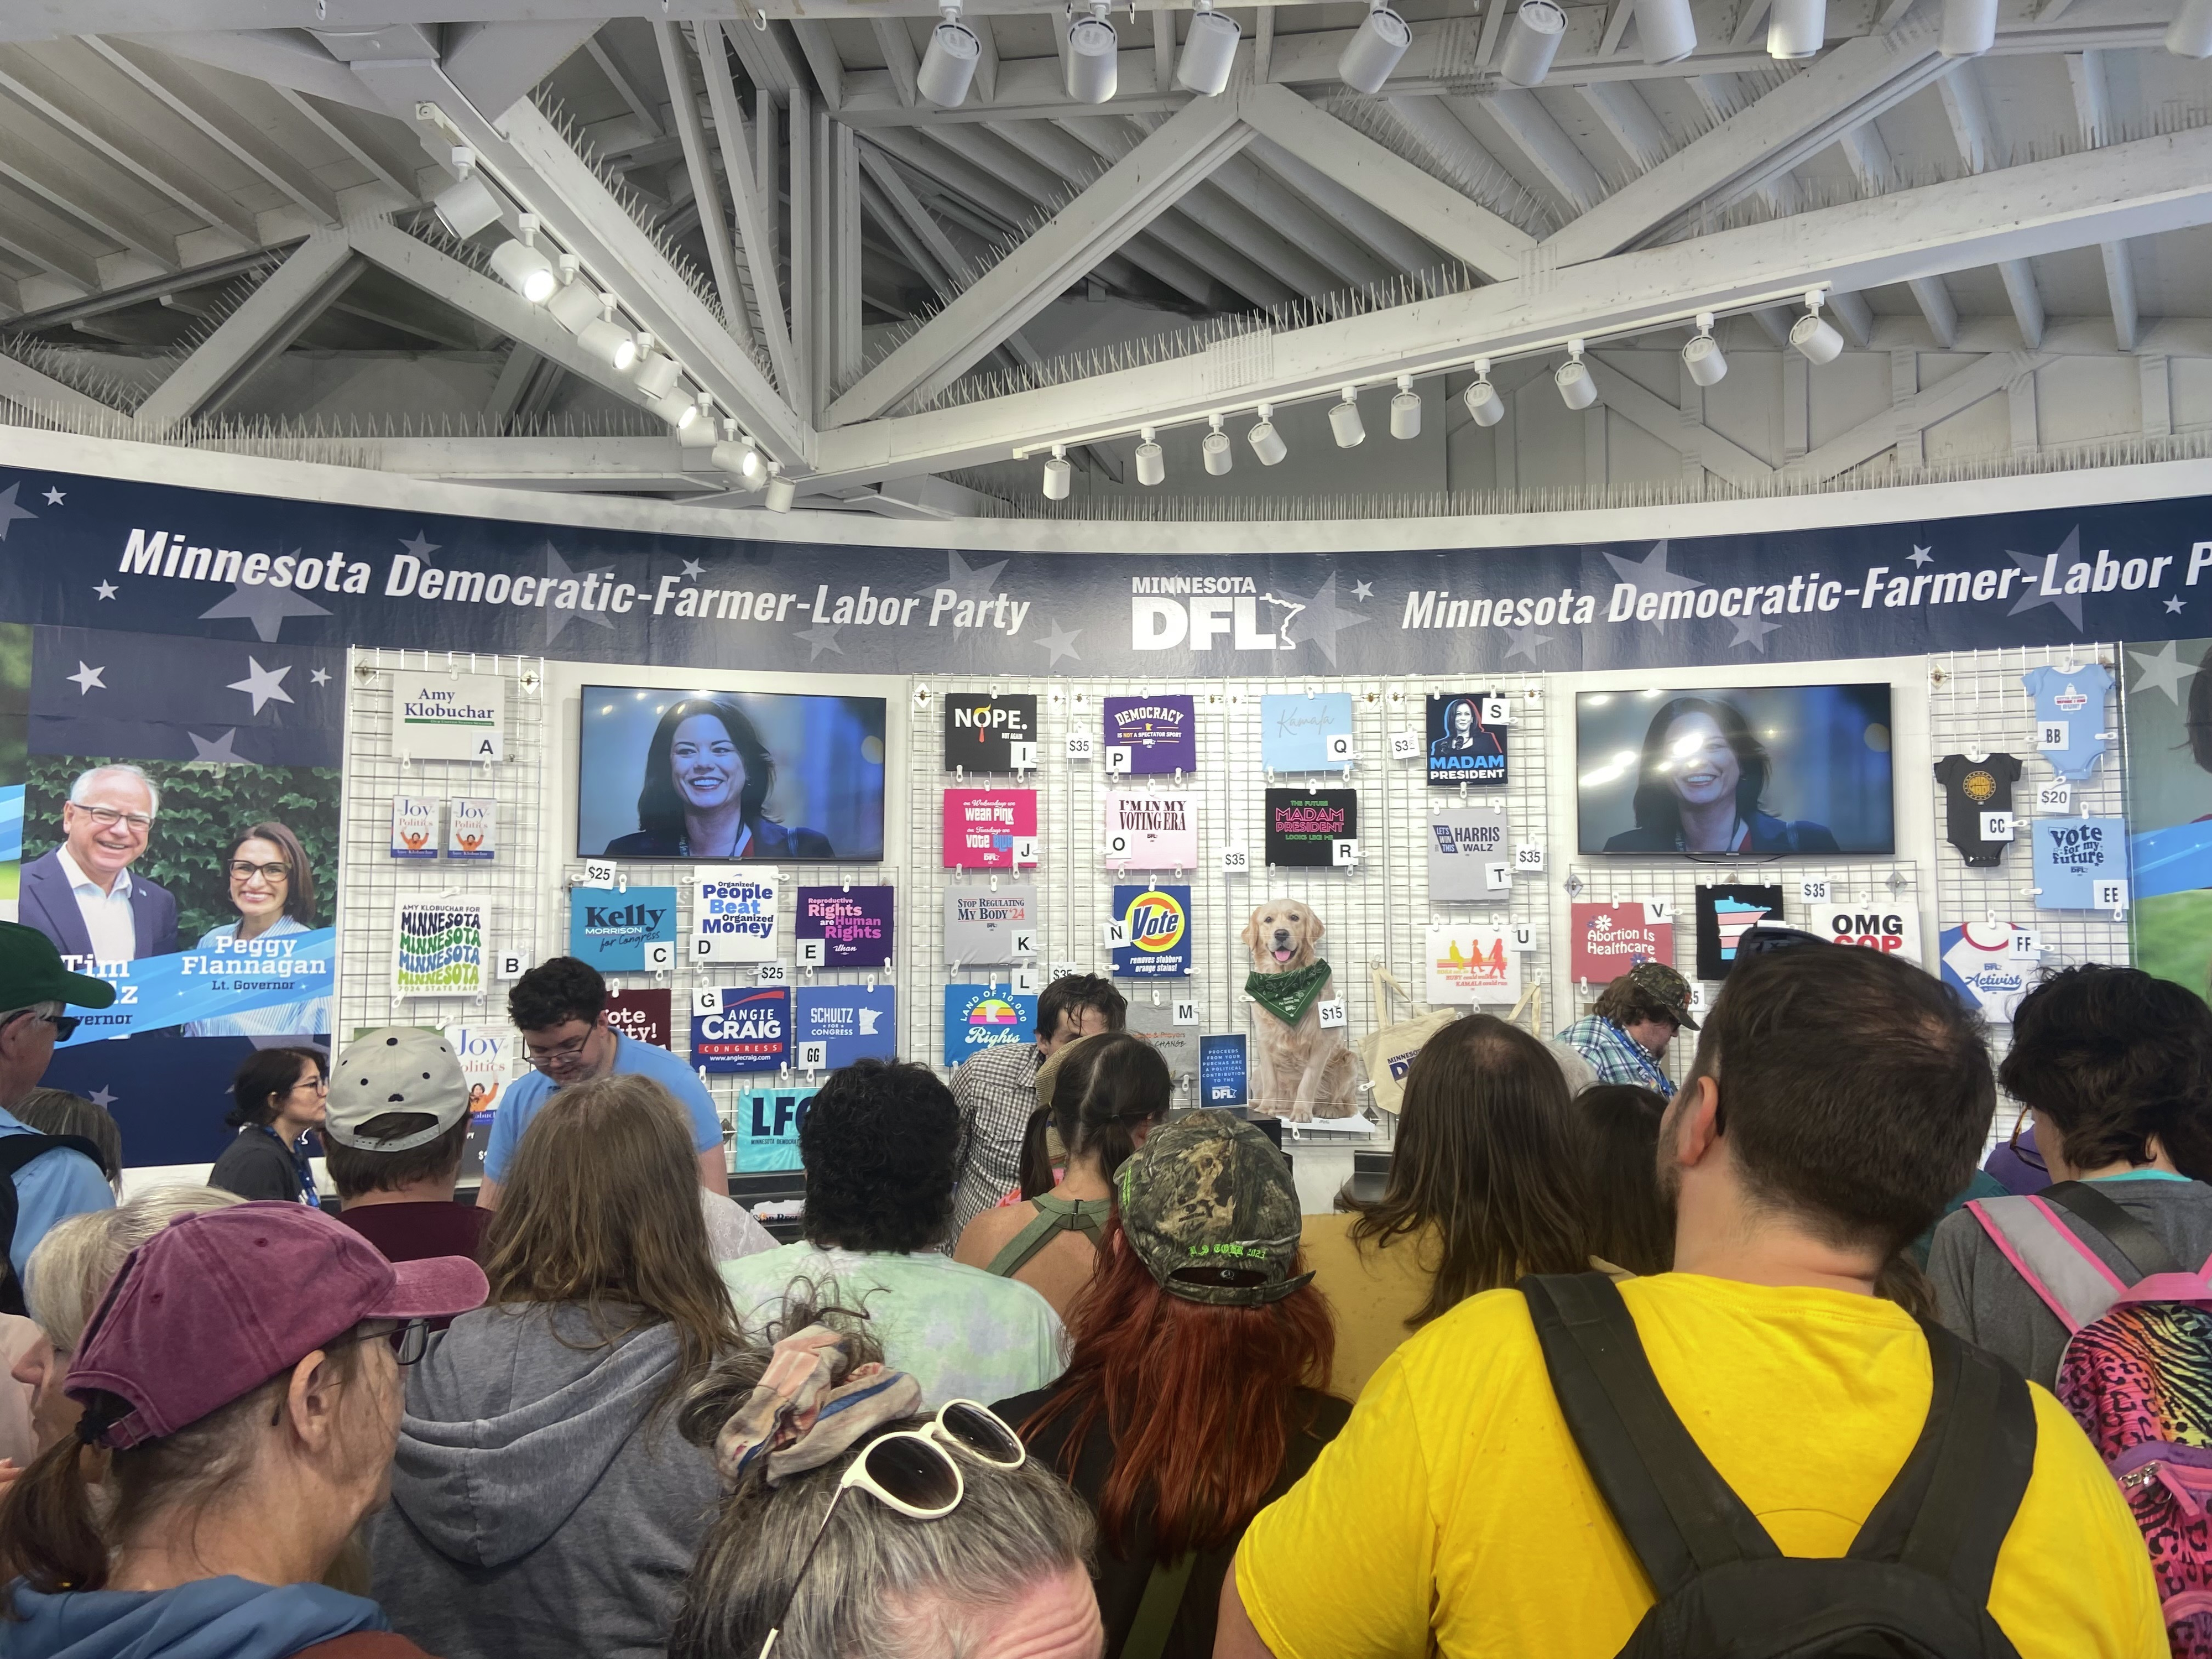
[{"x": 1837, "y": 1099}]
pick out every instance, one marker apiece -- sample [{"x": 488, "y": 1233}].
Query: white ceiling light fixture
[
  {"x": 1576, "y": 389},
  {"x": 1970, "y": 28},
  {"x": 1209, "y": 52},
  {"x": 523, "y": 268},
  {"x": 2189, "y": 35},
  {"x": 1374, "y": 49},
  {"x": 699, "y": 432},
  {"x": 575, "y": 304},
  {"x": 1058, "y": 474},
  {"x": 1344, "y": 419},
  {"x": 1812, "y": 335},
  {"x": 1267, "y": 443},
  {"x": 608, "y": 339},
  {"x": 740, "y": 457},
  {"x": 1094, "y": 56},
  {"x": 1667, "y": 31},
  {"x": 1702, "y": 356},
  {"x": 1406, "y": 410},
  {"x": 948, "y": 68},
  {"x": 1151, "y": 461},
  {"x": 1220, "y": 454},
  {"x": 781, "y": 492},
  {"x": 1484, "y": 406},
  {"x": 1532, "y": 41},
  {"x": 656, "y": 372},
  {"x": 678, "y": 408},
  {"x": 1796, "y": 29},
  {"x": 467, "y": 205}
]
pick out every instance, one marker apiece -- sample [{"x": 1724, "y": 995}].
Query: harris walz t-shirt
[{"x": 1971, "y": 787}]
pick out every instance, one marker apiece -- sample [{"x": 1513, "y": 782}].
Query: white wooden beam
[
  {"x": 2120, "y": 289},
  {"x": 2026, "y": 437},
  {"x": 27, "y": 388},
  {"x": 2092, "y": 101},
  {"x": 1529, "y": 126},
  {"x": 821, "y": 53},
  {"x": 403, "y": 190},
  {"x": 2156, "y": 381},
  {"x": 632, "y": 99},
  {"x": 1690, "y": 438},
  {"x": 69, "y": 194},
  {"x": 1960, "y": 88},
  {"x": 899, "y": 58},
  {"x": 1620, "y": 109},
  {"x": 768, "y": 66},
  {"x": 753, "y": 208},
  {"x": 986, "y": 59},
  {"x": 1853, "y": 311},
  {"x": 268, "y": 319},
  {"x": 705, "y": 194},
  {"x": 494, "y": 63},
  {"x": 798, "y": 130},
  {"x": 2026, "y": 299},
  {"x": 1963, "y": 390},
  {"x": 1936, "y": 305},
  {"x": 1375, "y": 228}
]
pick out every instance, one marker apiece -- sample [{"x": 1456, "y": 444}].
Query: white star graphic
[
  {"x": 266, "y": 607},
  {"x": 220, "y": 752},
  {"x": 8, "y": 511},
  {"x": 1320, "y": 618},
  {"x": 421, "y": 546},
  {"x": 1363, "y": 590},
  {"x": 86, "y": 678},
  {"x": 2174, "y": 606},
  {"x": 1525, "y": 640},
  {"x": 2162, "y": 671},
  {"x": 53, "y": 498},
  {"x": 105, "y": 590},
  {"x": 2032, "y": 594},
  {"x": 320, "y": 677},
  {"x": 1750, "y": 631},
  {"x": 823, "y": 636},
  {"x": 1060, "y": 641},
  {"x": 263, "y": 685},
  {"x": 969, "y": 581},
  {"x": 103, "y": 1096},
  {"x": 1650, "y": 573},
  {"x": 1921, "y": 555},
  {"x": 558, "y": 570},
  {"x": 693, "y": 569}
]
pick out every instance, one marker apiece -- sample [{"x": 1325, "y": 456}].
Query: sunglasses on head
[{"x": 911, "y": 1471}]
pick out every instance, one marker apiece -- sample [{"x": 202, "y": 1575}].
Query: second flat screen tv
[
  {"x": 715, "y": 777},
  {"x": 1772, "y": 771}
]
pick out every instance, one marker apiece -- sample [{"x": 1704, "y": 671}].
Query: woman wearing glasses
[
  {"x": 274, "y": 892},
  {"x": 280, "y": 1095}
]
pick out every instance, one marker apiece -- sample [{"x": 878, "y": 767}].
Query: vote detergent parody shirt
[{"x": 2075, "y": 700}]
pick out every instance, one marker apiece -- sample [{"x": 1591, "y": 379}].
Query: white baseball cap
[{"x": 398, "y": 1068}]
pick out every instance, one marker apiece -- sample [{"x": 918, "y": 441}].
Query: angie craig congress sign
[{"x": 161, "y": 558}]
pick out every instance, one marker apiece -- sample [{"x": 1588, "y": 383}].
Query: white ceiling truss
[{"x": 195, "y": 194}]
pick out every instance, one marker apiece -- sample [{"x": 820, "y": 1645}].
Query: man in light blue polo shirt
[
  {"x": 35, "y": 989},
  {"x": 560, "y": 1007}
]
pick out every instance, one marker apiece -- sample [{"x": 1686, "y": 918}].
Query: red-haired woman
[{"x": 1191, "y": 1402}]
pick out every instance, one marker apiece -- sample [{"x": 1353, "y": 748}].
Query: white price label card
[
  {"x": 1815, "y": 892},
  {"x": 1497, "y": 711},
  {"x": 1497, "y": 877},
  {"x": 659, "y": 955},
  {"x": 1082, "y": 746},
  {"x": 1344, "y": 853},
  {"x": 2026, "y": 943},
  {"x": 1025, "y": 943},
  {"x": 1997, "y": 826},
  {"x": 511, "y": 965},
  {"x": 2110, "y": 894},
  {"x": 707, "y": 1000},
  {"x": 814, "y": 953},
  {"x": 1114, "y": 935},
  {"x": 2056, "y": 797},
  {"x": 1117, "y": 847},
  {"x": 2052, "y": 736},
  {"x": 1700, "y": 996},
  {"x": 1025, "y": 850},
  {"x": 1520, "y": 938},
  {"x": 1339, "y": 748},
  {"x": 1655, "y": 910},
  {"x": 1529, "y": 856},
  {"x": 1236, "y": 859},
  {"x": 814, "y": 1056},
  {"x": 1186, "y": 1010},
  {"x": 702, "y": 945},
  {"x": 772, "y": 973},
  {"x": 1024, "y": 756},
  {"x": 1028, "y": 982},
  {"x": 597, "y": 872},
  {"x": 1062, "y": 970},
  {"x": 1117, "y": 757},
  {"x": 1405, "y": 745},
  {"x": 1332, "y": 1014}
]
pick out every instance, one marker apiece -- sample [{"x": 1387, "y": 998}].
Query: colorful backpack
[{"x": 2137, "y": 1374}]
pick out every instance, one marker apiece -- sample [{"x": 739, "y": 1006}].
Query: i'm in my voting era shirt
[
  {"x": 2077, "y": 700},
  {"x": 1971, "y": 787}
]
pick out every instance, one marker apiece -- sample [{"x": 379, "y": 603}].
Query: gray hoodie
[{"x": 539, "y": 1504}]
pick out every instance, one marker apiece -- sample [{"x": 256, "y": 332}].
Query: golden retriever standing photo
[{"x": 1298, "y": 1071}]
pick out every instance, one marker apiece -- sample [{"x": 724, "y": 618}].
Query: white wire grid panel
[
  {"x": 1375, "y": 913},
  {"x": 371, "y": 882}
]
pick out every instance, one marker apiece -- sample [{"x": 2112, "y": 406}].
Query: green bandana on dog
[{"x": 1287, "y": 996}]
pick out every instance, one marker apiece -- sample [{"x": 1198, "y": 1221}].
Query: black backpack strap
[
  {"x": 1680, "y": 1516},
  {"x": 2142, "y": 1248},
  {"x": 1948, "y": 1509},
  {"x": 16, "y": 1151}
]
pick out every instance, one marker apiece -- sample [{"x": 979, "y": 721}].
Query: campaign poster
[
  {"x": 1463, "y": 843},
  {"x": 642, "y": 1013},
  {"x": 439, "y": 714},
  {"x": 413, "y": 827},
  {"x": 733, "y": 915},
  {"x": 1978, "y": 964},
  {"x": 468, "y": 835},
  {"x": 769, "y": 1122},
  {"x": 854, "y": 925},
  {"x": 1893, "y": 930},
  {"x": 1221, "y": 1070},
  {"x": 1304, "y": 825},
  {"x": 1160, "y": 733},
  {"x": 487, "y": 1056},
  {"x": 1144, "y": 830},
  {"x": 980, "y": 732},
  {"x": 2073, "y": 856},
  {"x": 2167, "y": 706},
  {"x": 1471, "y": 965},
  {"x": 1156, "y": 921},
  {"x": 1464, "y": 748},
  {"x": 834, "y": 1025},
  {"x": 1608, "y": 939},
  {"x": 438, "y": 949},
  {"x": 622, "y": 932},
  {"x": 740, "y": 1029},
  {"x": 980, "y": 1017},
  {"x": 982, "y": 825},
  {"x": 985, "y": 927},
  {"x": 1725, "y": 915},
  {"x": 1300, "y": 734}
]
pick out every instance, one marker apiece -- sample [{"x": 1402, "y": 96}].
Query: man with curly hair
[{"x": 881, "y": 1144}]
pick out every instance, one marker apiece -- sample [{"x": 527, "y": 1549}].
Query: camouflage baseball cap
[
  {"x": 1208, "y": 1205},
  {"x": 1666, "y": 988}
]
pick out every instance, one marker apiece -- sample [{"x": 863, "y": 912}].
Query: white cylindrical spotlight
[
  {"x": 608, "y": 339},
  {"x": 1666, "y": 30},
  {"x": 2189, "y": 35},
  {"x": 1374, "y": 49},
  {"x": 1209, "y": 52},
  {"x": 698, "y": 433},
  {"x": 1057, "y": 474},
  {"x": 949, "y": 66},
  {"x": 1151, "y": 463},
  {"x": 526, "y": 271},
  {"x": 467, "y": 207},
  {"x": 1484, "y": 406},
  {"x": 678, "y": 408},
  {"x": 1796, "y": 29},
  {"x": 1406, "y": 410},
  {"x": 656, "y": 372},
  {"x": 1812, "y": 335},
  {"x": 1532, "y": 41},
  {"x": 1576, "y": 389},
  {"x": 1970, "y": 28},
  {"x": 576, "y": 306},
  {"x": 1344, "y": 419},
  {"x": 1220, "y": 455},
  {"x": 1702, "y": 356},
  {"x": 740, "y": 457},
  {"x": 781, "y": 491},
  {"x": 1094, "y": 49},
  {"x": 1266, "y": 442}
]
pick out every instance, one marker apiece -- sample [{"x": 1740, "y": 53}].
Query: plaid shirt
[
  {"x": 996, "y": 1089},
  {"x": 1618, "y": 1057}
]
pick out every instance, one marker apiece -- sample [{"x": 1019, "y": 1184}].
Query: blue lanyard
[
  {"x": 1650, "y": 1066},
  {"x": 300, "y": 1169}
]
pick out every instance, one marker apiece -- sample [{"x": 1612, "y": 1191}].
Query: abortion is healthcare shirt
[
  {"x": 2077, "y": 700},
  {"x": 1971, "y": 787},
  {"x": 1978, "y": 964}
]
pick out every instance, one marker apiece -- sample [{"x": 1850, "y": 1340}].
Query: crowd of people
[{"x": 1610, "y": 1364}]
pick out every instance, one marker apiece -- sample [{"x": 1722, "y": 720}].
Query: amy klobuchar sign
[{"x": 159, "y": 559}]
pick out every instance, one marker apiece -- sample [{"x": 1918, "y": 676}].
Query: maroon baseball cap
[{"x": 216, "y": 1304}]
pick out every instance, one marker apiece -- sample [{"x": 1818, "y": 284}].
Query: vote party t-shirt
[
  {"x": 2077, "y": 701},
  {"x": 1971, "y": 787}
]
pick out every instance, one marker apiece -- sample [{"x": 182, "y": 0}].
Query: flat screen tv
[
  {"x": 1758, "y": 771},
  {"x": 714, "y": 776}
]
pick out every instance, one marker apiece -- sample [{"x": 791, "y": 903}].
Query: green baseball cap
[
  {"x": 30, "y": 971},
  {"x": 1666, "y": 988},
  {"x": 1208, "y": 1204}
]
